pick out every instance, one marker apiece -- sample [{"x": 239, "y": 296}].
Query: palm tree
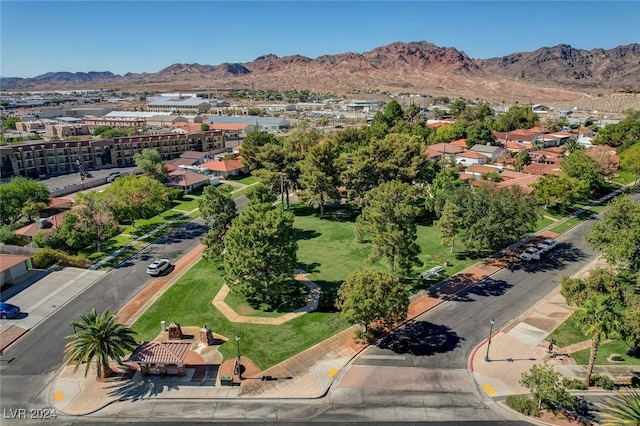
[
  {"x": 98, "y": 338},
  {"x": 598, "y": 317},
  {"x": 623, "y": 409},
  {"x": 572, "y": 145}
]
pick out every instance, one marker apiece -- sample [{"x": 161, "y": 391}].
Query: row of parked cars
[{"x": 533, "y": 253}]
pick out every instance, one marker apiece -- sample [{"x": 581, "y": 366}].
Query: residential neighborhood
[{"x": 230, "y": 212}]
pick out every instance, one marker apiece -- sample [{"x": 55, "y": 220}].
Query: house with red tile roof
[
  {"x": 523, "y": 182},
  {"x": 182, "y": 127},
  {"x": 471, "y": 158},
  {"x": 462, "y": 143},
  {"x": 542, "y": 169},
  {"x": 443, "y": 149},
  {"x": 187, "y": 181},
  {"x": 477, "y": 170},
  {"x": 226, "y": 168},
  {"x": 515, "y": 147}
]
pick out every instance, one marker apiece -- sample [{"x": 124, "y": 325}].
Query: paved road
[{"x": 38, "y": 354}]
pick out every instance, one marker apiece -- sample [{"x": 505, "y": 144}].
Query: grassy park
[{"x": 327, "y": 249}]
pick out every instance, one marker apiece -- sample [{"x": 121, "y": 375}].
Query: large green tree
[
  {"x": 366, "y": 297},
  {"x": 396, "y": 157},
  {"x": 21, "y": 197},
  {"x": 617, "y": 234},
  {"x": 495, "y": 218},
  {"x": 260, "y": 253},
  {"x": 581, "y": 166},
  {"x": 94, "y": 217},
  {"x": 449, "y": 224},
  {"x": 598, "y": 317},
  {"x": 319, "y": 174},
  {"x": 630, "y": 161},
  {"x": 622, "y": 134},
  {"x": 218, "y": 210},
  {"x": 150, "y": 162},
  {"x": 131, "y": 197},
  {"x": 517, "y": 117},
  {"x": 559, "y": 191},
  {"x": 251, "y": 144},
  {"x": 388, "y": 217},
  {"x": 98, "y": 338},
  {"x": 599, "y": 282}
]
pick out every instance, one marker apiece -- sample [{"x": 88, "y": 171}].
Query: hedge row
[{"x": 48, "y": 256}]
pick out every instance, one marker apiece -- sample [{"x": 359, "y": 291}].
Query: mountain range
[{"x": 559, "y": 72}]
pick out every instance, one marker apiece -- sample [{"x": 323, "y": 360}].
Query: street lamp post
[
  {"x": 238, "y": 362},
  {"x": 491, "y": 322}
]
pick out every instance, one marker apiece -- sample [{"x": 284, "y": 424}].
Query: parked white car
[
  {"x": 158, "y": 267},
  {"x": 530, "y": 253},
  {"x": 547, "y": 244}
]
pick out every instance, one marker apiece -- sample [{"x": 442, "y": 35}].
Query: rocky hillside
[
  {"x": 616, "y": 68},
  {"x": 557, "y": 73}
]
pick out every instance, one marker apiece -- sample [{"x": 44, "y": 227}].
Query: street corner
[
  {"x": 327, "y": 371},
  {"x": 68, "y": 385}
]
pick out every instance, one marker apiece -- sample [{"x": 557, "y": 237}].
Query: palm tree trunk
[{"x": 595, "y": 342}]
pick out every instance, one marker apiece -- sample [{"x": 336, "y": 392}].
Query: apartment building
[{"x": 58, "y": 157}]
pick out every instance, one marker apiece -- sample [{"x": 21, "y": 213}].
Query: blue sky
[{"x": 147, "y": 36}]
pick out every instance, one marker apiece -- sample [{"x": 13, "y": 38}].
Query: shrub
[
  {"x": 522, "y": 404},
  {"x": 573, "y": 384},
  {"x": 364, "y": 336},
  {"x": 48, "y": 257},
  {"x": 7, "y": 235},
  {"x": 603, "y": 382}
]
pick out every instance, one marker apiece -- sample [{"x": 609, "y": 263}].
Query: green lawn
[
  {"x": 604, "y": 350},
  {"x": 328, "y": 250},
  {"x": 188, "y": 203},
  {"x": 239, "y": 304},
  {"x": 248, "y": 180},
  {"x": 188, "y": 302},
  {"x": 567, "y": 334},
  {"x": 543, "y": 222},
  {"x": 624, "y": 178},
  {"x": 241, "y": 191}
]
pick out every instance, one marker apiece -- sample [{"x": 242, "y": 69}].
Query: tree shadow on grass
[
  {"x": 420, "y": 338},
  {"x": 306, "y": 234},
  {"x": 308, "y": 268}
]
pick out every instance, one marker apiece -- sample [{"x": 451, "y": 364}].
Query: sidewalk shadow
[
  {"x": 140, "y": 387},
  {"x": 420, "y": 338}
]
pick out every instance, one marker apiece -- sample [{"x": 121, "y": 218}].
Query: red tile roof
[
  {"x": 477, "y": 168},
  {"x": 523, "y": 182},
  {"x": 224, "y": 165},
  {"x": 445, "y": 148},
  {"x": 462, "y": 143},
  {"x": 471, "y": 154},
  {"x": 186, "y": 178},
  {"x": 228, "y": 126},
  {"x": 542, "y": 169},
  {"x": 7, "y": 261},
  {"x": 189, "y": 127},
  {"x": 160, "y": 353},
  {"x": 33, "y": 229}
]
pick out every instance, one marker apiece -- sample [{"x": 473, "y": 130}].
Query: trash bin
[{"x": 226, "y": 380}]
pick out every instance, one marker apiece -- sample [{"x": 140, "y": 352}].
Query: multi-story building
[
  {"x": 180, "y": 106},
  {"x": 59, "y": 157},
  {"x": 65, "y": 130},
  {"x": 93, "y": 122}
]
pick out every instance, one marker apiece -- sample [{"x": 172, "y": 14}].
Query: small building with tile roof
[
  {"x": 226, "y": 168},
  {"x": 161, "y": 357},
  {"x": 471, "y": 158}
]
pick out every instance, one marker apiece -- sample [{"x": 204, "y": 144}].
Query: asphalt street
[{"x": 38, "y": 354}]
